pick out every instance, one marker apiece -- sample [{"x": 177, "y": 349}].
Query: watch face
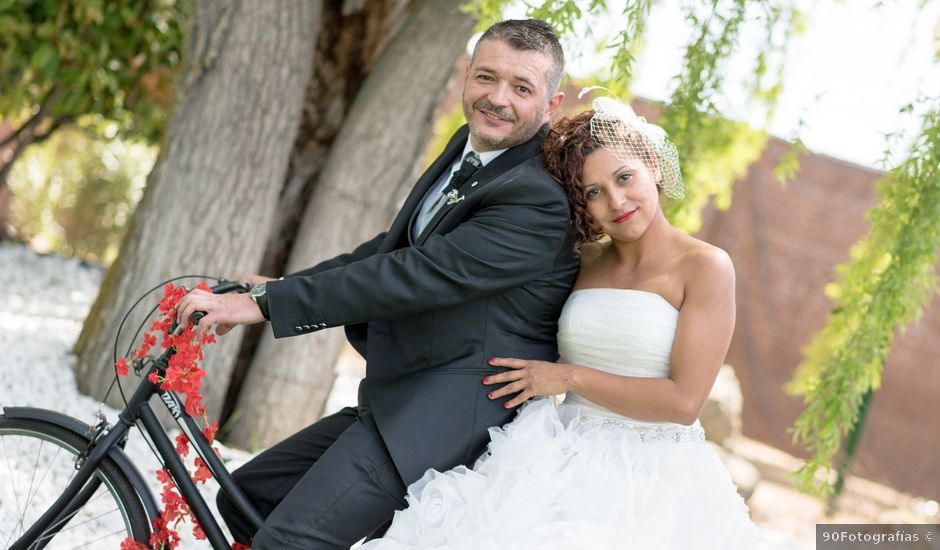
[{"x": 258, "y": 290}]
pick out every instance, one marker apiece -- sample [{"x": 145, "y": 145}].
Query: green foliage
[
  {"x": 710, "y": 172},
  {"x": 782, "y": 22},
  {"x": 564, "y": 16},
  {"x": 789, "y": 163},
  {"x": 883, "y": 288},
  {"x": 65, "y": 59},
  {"x": 75, "y": 192},
  {"x": 713, "y": 151}
]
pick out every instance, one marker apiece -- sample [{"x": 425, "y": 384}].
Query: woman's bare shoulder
[{"x": 704, "y": 263}]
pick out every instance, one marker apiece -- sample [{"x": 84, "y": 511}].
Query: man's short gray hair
[{"x": 531, "y": 35}]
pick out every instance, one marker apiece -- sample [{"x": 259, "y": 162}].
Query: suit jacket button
[
  {"x": 307, "y": 327},
  {"x": 298, "y": 329}
]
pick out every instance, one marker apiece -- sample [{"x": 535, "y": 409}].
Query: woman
[{"x": 622, "y": 463}]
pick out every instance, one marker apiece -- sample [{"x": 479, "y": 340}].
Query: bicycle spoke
[
  {"x": 12, "y": 480},
  {"x": 48, "y": 534},
  {"x": 85, "y": 545},
  {"x": 99, "y": 516},
  {"x": 46, "y": 473},
  {"x": 32, "y": 480}
]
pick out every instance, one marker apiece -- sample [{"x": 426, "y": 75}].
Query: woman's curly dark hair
[{"x": 565, "y": 147}]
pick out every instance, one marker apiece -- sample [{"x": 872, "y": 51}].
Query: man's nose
[{"x": 499, "y": 95}]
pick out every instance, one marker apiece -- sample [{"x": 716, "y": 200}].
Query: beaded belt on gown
[{"x": 647, "y": 434}]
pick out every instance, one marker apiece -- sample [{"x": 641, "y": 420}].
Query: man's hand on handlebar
[{"x": 223, "y": 310}]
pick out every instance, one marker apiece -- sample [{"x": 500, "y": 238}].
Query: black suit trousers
[{"x": 325, "y": 487}]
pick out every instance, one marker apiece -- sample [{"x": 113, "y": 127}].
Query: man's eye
[
  {"x": 523, "y": 90},
  {"x": 485, "y": 77}
]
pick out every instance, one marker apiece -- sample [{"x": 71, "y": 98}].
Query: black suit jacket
[{"x": 486, "y": 278}]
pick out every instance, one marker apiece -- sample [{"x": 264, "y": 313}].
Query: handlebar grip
[
  {"x": 196, "y": 317},
  {"x": 225, "y": 287}
]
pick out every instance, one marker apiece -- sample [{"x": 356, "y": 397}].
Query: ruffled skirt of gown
[{"x": 553, "y": 479}]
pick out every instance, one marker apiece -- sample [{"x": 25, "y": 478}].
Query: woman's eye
[
  {"x": 591, "y": 193},
  {"x": 625, "y": 177}
]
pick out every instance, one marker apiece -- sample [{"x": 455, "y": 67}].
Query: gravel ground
[{"x": 43, "y": 303}]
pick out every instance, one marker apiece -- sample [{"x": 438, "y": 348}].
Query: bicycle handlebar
[{"x": 224, "y": 287}]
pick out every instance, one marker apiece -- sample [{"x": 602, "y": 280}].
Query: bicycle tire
[{"x": 31, "y": 449}]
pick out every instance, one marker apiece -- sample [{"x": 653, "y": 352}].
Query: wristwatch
[{"x": 259, "y": 293}]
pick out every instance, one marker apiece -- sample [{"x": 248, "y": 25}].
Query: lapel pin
[{"x": 454, "y": 197}]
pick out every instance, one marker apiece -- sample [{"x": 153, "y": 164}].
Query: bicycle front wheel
[{"x": 37, "y": 461}]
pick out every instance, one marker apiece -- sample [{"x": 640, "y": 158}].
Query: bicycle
[{"x": 107, "y": 498}]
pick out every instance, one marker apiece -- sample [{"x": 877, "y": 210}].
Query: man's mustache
[{"x": 501, "y": 112}]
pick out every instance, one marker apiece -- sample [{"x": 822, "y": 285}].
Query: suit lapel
[
  {"x": 401, "y": 226},
  {"x": 499, "y": 166}
]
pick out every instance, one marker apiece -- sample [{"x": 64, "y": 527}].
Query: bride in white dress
[{"x": 622, "y": 462}]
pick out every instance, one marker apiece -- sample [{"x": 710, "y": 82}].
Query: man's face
[{"x": 506, "y": 97}]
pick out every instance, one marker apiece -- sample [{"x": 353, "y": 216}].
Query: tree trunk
[
  {"x": 385, "y": 133},
  {"x": 351, "y": 38},
  {"x": 213, "y": 191}
]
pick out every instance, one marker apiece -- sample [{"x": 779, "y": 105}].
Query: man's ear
[{"x": 554, "y": 103}]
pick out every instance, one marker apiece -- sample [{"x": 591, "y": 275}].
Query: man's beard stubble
[{"x": 519, "y": 134}]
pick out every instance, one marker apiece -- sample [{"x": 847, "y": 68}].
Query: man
[{"x": 477, "y": 264}]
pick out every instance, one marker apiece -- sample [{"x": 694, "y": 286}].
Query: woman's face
[{"x": 621, "y": 195}]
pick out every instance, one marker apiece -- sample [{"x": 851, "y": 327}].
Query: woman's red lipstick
[{"x": 626, "y": 216}]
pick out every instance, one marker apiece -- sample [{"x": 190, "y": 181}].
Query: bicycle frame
[{"x": 138, "y": 409}]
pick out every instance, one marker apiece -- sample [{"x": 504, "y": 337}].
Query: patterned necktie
[{"x": 471, "y": 163}]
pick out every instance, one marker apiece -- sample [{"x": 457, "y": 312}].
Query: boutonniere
[{"x": 454, "y": 197}]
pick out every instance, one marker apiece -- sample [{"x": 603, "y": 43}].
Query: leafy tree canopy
[{"x": 64, "y": 59}]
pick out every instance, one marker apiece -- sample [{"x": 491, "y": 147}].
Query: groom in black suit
[{"x": 477, "y": 264}]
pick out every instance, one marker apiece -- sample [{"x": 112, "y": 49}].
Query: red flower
[
  {"x": 163, "y": 476},
  {"x": 182, "y": 444},
  {"x": 203, "y": 473},
  {"x": 240, "y": 546},
  {"x": 183, "y": 375},
  {"x": 121, "y": 367},
  {"x": 211, "y": 430},
  {"x": 131, "y": 544}
]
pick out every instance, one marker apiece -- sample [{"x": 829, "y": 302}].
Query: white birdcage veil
[{"x": 619, "y": 130}]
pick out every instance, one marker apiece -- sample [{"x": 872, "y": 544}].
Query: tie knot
[
  {"x": 471, "y": 159},
  {"x": 471, "y": 163}
]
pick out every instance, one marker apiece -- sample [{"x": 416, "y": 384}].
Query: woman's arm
[{"x": 706, "y": 323}]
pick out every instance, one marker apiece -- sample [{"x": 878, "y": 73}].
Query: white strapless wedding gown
[{"x": 578, "y": 476}]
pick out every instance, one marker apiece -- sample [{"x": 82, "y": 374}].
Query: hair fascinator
[{"x": 619, "y": 130}]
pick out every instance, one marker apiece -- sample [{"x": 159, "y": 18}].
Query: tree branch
[{"x": 33, "y": 121}]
